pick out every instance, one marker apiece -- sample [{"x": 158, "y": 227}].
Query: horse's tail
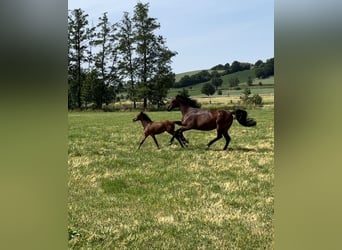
[
  {"x": 241, "y": 117},
  {"x": 178, "y": 122}
]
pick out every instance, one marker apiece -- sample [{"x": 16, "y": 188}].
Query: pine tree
[
  {"x": 126, "y": 49},
  {"x": 105, "y": 61},
  {"x": 77, "y": 54}
]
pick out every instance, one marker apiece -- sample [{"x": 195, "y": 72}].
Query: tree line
[
  {"x": 234, "y": 67},
  {"x": 105, "y": 59},
  {"x": 262, "y": 70},
  {"x": 129, "y": 58}
]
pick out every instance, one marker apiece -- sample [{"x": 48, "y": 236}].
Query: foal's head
[{"x": 142, "y": 117}]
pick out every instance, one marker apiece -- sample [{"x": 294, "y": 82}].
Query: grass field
[{"x": 172, "y": 198}]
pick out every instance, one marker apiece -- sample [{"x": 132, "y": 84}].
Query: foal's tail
[{"x": 241, "y": 116}]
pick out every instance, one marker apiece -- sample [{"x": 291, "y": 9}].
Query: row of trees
[
  {"x": 235, "y": 67},
  {"x": 262, "y": 70},
  {"x": 105, "y": 58},
  {"x": 202, "y": 76}
]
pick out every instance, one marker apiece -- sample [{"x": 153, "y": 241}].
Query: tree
[
  {"x": 202, "y": 76},
  {"x": 153, "y": 57},
  {"x": 233, "y": 82},
  {"x": 246, "y": 92},
  {"x": 218, "y": 67},
  {"x": 258, "y": 63},
  {"x": 264, "y": 70},
  {"x": 78, "y": 43},
  {"x": 216, "y": 81},
  {"x": 87, "y": 89},
  {"x": 256, "y": 99},
  {"x": 215, "y": 73},
  {"x": 208, "y": 89},
  {"x": 184, "y": 92},
  {"x": 105, "y": 59},
  {"x": 249, "y": 81},
  {"x": 236, "y": 66},
  {"x": 126, "y": 49}
]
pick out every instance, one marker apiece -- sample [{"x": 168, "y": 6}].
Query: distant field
[
  {"x": 172, "y": 198},
  {"x": 225, "y": 101}
]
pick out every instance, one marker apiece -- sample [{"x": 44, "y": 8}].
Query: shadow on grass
[
  {"x": 203, "y": 148},
  {"x": 242, "y": 149}
]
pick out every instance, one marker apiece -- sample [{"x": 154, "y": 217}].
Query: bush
[{"x": 256, "y": 99}]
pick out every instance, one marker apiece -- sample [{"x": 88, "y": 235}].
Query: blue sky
[{"x": 203, "y": 32}]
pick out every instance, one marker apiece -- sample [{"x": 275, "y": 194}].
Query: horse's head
[
  {"x": 173, "y": 104},
  {"x": 180, "y": 101}
]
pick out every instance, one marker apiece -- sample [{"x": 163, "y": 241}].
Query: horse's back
[
  {"x": 200, "y": 120},
  {"x": 159, "y": 127},
  {"x": 208, "y": 119}
]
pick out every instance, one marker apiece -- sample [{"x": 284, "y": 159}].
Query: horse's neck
[{"x": 187, "y": 109}]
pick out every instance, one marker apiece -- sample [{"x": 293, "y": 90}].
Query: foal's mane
[
  {"x": 192, "y": 103},
  {"x": 145, "y": 117}
]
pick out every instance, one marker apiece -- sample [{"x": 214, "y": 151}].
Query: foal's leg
[
  {"x": 171, "y": 131},
  {"x": 142, "y": 141},
  {"x": 218, "y": 137}
]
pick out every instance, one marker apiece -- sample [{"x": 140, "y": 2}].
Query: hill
[{"x": 266, "y": 86}]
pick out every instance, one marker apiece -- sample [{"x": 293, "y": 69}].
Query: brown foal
[{"x": 152, "y": 128}]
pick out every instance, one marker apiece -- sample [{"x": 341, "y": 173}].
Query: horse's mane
[
  {"x": 145, "y": 117},
  {"x": 192, "y": 103}
]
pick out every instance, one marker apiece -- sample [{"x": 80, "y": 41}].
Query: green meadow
[{"x": 171, "y": 198}]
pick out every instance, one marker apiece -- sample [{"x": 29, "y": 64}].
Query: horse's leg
[
  {"x": 225, "y": 128},
  {"x": 184, "y": 140},
  {"x": 142, "y": 141},
  {"x": 172, "y": 138},
  {"x": 218, "y": 137},
  {"x": 155, "y": 140},
  {"x": 227, "y": 137},
  {"x": 177, "y": 136},
  {"x": 174, "y": 135}
]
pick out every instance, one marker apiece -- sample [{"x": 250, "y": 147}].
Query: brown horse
[
  {"x": 153, "y": 128},
  {"x": 195, "y": 118}
]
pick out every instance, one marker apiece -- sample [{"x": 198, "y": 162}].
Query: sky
[{"x": 204, "y": 33}]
